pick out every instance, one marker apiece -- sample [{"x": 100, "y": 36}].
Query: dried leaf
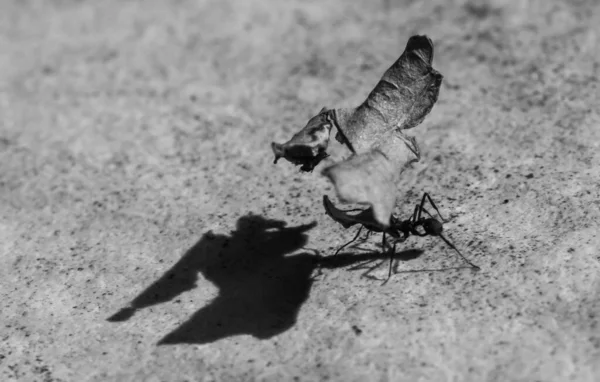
[
  {"x": 366, "y": 178},
  {"x": 371, "y": 177},
  {"x": 373, "y": 131},
  {"x": 401, "y": 100},
  {"x": 308, "y": 146},
  {"x": 365, "y": 217}
]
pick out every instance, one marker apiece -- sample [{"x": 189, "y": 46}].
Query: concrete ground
[{"x": 146, "y": 235}]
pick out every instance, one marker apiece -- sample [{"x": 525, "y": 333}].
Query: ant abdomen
[{"x": 433, "y": 227}]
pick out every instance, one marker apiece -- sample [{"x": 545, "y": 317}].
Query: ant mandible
[{"x": 400, "y": 230}]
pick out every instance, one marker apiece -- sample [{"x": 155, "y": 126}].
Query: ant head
[{"x": 432, "y": 227}]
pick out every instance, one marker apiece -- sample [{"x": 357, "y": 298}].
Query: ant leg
[
  {"x": 427, "y": 212},
  {"x": 350, "y": 242},
  {"x": 416, "y": 214},
  {"x": 427, "y": 197},
  {"x": 391, "y": 263},
  {"x": 415, "y": 221},
  {"x": 383, "y": 243},
  {"x": 367, "y": 236},
  {"x": 460, "y": 254}
]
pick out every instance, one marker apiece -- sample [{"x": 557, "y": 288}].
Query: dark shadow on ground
[
  {"x": 260, "y": 289},
  {"x": 364, "y": 261},
  {"x": 352, "y": 258}
]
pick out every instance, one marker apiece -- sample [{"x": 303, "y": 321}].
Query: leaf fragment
[
  {"x": 365, "y": 217},
  {"x": 370, "y": 178},
  {"x": 307, "y": 147},
  {"x": 401, "y": 99}
]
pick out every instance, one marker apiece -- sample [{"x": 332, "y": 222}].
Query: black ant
[{"x": 400, "y": 230}]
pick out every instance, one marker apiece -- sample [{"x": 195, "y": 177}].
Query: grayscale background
[{"x": 146, "y": 235}]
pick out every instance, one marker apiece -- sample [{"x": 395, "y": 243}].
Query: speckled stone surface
[{"x": 145, "y": 234}]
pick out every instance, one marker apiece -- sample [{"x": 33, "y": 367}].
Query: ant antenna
[{"x": 460, "y": 254}]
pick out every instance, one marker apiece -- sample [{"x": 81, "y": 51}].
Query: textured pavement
[{"x": 146, "y": 235}]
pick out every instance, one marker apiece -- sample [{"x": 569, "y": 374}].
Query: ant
[{"x": 400, "y": 230}]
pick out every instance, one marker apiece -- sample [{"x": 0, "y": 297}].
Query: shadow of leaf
[{"x": 260, "y": 289}]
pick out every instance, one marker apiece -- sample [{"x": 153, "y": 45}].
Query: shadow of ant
[
  {"x": 364, "y": 259},
  {"x": 349, "y": 258}
]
